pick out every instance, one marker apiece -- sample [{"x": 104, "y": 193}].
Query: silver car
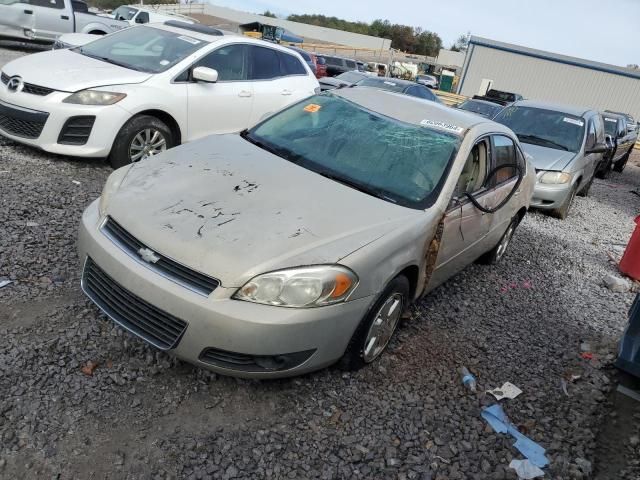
[
  {"x": 301, "y": 241},
  {"x": 566, "y": 145}
]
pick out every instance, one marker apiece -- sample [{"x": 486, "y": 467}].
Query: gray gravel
[{"x": 143, "y": 414}]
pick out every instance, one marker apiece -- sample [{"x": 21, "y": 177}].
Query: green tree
[
  {"x": 268, "y": 13},
  {"x": 462, "y": 43}
]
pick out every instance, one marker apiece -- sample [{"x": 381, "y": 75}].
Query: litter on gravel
[
  {"x": 507, "y": 390},
  {"x": 525, "y": 469},
  {"x": 4, "y": 283}
]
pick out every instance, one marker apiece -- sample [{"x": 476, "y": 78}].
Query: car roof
[
  {"x": 397, "y": 81},
  {"x": 555, "y": 107},
  {"x": 411, "y": 109}
]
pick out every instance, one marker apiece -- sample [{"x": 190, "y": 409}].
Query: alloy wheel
[
  {"x": 147, "y": 143},
  {"x": 504, "y": 243},
  {"x": 382, "y": 327}
]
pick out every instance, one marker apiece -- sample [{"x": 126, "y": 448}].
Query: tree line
[{"x": 403, "y": 37}]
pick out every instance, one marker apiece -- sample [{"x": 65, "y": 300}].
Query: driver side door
[{"x": 465, "y": 226}]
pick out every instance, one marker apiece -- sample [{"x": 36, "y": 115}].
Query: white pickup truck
[{"x": 44, "y": 20}]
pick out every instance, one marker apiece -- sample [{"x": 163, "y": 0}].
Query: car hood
[
  {"x": 68, "y": 71},
  {"x": 231, "y": 210},
  {"x": 544, "y": 158}
]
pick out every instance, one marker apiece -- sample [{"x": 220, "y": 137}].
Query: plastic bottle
[{"x": 468, "y": 380}]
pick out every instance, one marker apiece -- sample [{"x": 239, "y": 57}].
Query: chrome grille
[
  {"x": 195, "y": 281},
  {"x": 130, "y": 311}
]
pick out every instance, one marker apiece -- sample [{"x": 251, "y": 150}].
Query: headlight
[
  {"x": 94, "y": 97},
  {"x": 111, "y": 186},
  {"x": 555, "y": 177},
  {"x": 302, "y": 287}
]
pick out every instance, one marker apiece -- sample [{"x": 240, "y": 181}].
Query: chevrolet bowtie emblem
[{"x": 148, "y": 255}]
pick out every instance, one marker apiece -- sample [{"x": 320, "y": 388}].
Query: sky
[{"x": 600, "y": 30}]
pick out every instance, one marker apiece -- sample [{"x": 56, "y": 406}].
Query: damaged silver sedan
[{"x": 301, "y": 241}]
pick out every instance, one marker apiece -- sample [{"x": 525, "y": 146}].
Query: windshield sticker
[
  {"x": 573, "y": 121},
  {"x": 164, "y": 62},
  {"x": 613, "y": 120},
  {"x": 443, "y": 126},
  {"x": 390, "y": 83},
  {"x": 191, "y": 40},
  {"x": 312, "y": 107}
]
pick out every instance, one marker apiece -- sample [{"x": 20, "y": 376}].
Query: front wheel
[
  {"x": 563, "y": 212},
  {"x": 141, "y": 137},
  {"x": 376, "y": 329},
  {"x": 619, "y": 166}
]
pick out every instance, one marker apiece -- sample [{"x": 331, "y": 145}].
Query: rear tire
[
  {"x": 139, "y": 133},
  {"x": 563, "y": 212},
  {"x": 619, "y": 166},
  {"x": 494, "y": 255},
  {"x": 376, "y": 329}
]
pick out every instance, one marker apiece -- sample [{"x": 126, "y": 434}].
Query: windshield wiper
[
  {"x": 281, "y": 152},
  {"x": 540, "y": 141},
  {"x": 111, "y": 61}
]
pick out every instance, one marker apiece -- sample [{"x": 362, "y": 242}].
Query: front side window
[
  {"x": 474, "y": 172},
  {"x": 398, "y": 162},
  {"x": 229, "y": 61},
  {"x": 145, "y": 49},
  {"x": 265, "y": 63},
  {"x": 422, "y": 92},
  {"x": 504, "y": 153},
  {"x": 610, "y": 126},
  {"x": 546, "y": 128},
  {"x": 351, "y": 64}
]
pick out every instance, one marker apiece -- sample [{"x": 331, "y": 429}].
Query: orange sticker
[{"x": 312, "y": 107}]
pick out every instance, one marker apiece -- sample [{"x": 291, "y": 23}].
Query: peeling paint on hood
[{"x": 227, "y": 208}]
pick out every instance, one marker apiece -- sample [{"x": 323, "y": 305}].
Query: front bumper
[
  {"x": 220, "y": 324},
  {"x": 108, "y": 121},
  {"x": 550, "y": 196}
]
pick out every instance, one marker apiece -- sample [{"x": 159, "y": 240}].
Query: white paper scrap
[
  {"x": 525, "y": 469},
  {"x": 508, "y": 390},
  {"x": 4, "y": 283}
]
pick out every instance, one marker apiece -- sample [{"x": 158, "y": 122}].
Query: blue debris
[{"x": 495, "y": 416}]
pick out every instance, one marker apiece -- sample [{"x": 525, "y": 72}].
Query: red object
[
  {"x": 587, "y": 355},
  {"x": 630, "y": 263},
  {"x": 321, "y": 65}
]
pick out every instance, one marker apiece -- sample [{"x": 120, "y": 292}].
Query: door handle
[
  {"x": 286, "y": 92},
  {"x": 29, "y": 12},
  {"x": 244, "y": 93},
  {"x": 64, "y": 17},
  {"x": 517, "y": 193}
]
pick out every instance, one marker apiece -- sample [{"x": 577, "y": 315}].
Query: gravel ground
[{"x": 142, "y": 414}]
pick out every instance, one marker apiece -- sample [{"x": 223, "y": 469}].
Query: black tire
[
  {"x": 620, "y": 164},
  {"x": 585, "y": 190},
  {"x": 354, "y": 355},
  {"x": 605, "y": 171},
  {"x": 121, "y": 149},
  {"x": 563, "y": 212},
  {"x": 494, "y": 255}
]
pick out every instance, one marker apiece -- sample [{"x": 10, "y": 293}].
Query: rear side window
[
  {"x": 143, "y": 17},
  {"x": 304, "y": 55},
  {"x": 290, "y": 65},
  {"x": 421, "y": 92},
  {"x": 504, "y": 153},
  {"x": 47, "y": 3},
  {"x": 265, "y": 63},
  {"x": 230, "y": 62},
  {"x": 333, "y": 61},
  {"x": 351, "y": 64}
]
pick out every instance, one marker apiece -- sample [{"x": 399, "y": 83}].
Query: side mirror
[
  {"x": 608, "y": 139},
  {"x": 205, "y": 74},
  {"x": 597, "y": 148}
]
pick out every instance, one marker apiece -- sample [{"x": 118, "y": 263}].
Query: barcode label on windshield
[
  {"x": 573, "y": 121},
  {"x": 610, "y": 120},
  {"x": 442, "y": 125},
  {"x": 192, "y": 41}
]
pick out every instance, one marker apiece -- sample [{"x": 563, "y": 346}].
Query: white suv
[{"x": 144, "y": 89}]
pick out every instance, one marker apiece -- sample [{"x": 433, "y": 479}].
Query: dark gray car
[
  {"x": 345, "y": 79},
  {"x": 406, "y": 87}
]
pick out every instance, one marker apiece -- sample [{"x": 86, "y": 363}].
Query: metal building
[{"x": 541, "y": 75}]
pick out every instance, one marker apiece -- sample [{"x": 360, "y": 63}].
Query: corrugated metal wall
[{"x": 541, "y": 79}]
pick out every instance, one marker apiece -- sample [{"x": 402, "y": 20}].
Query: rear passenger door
[
  {"x": 224, "y": 106},
  {"x": 51, "y": 18},
  {"x": 279, "y": 79},
  {"x": 504, "y": 152}
]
